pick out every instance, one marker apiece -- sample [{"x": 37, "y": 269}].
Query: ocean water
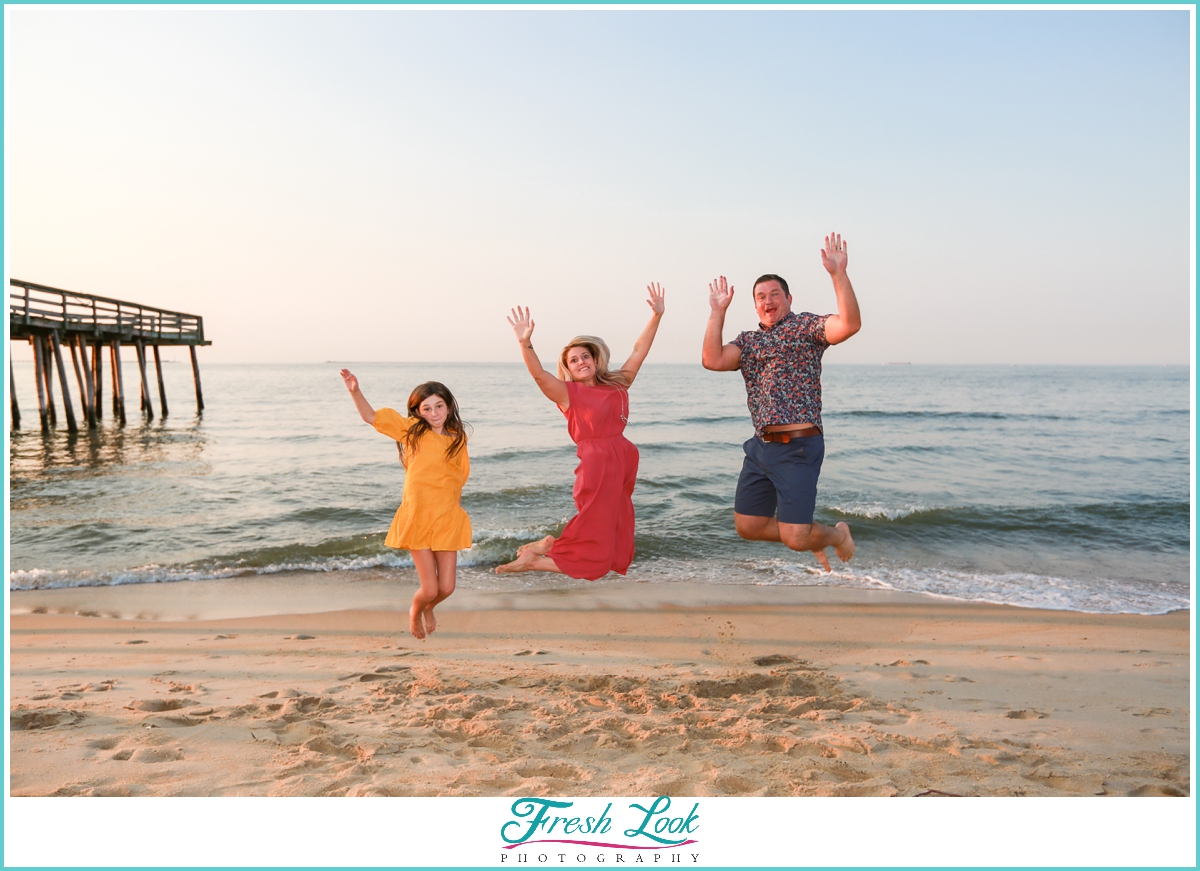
[{"x": 1051, "y": 487}]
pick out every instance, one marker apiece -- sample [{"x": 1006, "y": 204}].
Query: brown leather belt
[{"x": 786, "y": 435}]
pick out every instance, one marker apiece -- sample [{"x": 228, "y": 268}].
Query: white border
[{"x": 736, "y": 832}]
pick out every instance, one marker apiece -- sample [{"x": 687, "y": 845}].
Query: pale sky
[{"x": 384, "y": 184}]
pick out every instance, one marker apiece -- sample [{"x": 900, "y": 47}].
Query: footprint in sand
[
  {"x": 1026, "y": 715},
  {"x": 774, "y": 659},
  {"x": 299, "y": 637},
  {"x": 152, "y": 755},
  {"x": 1151, "y": 789},
  {"x": 557, "y": 770},
  {"x": 1148, "y": 712},
  {"x": 136, "y": 641},
  {"x": 156, "y": 706},
  {"x": 27, "y": 721}
]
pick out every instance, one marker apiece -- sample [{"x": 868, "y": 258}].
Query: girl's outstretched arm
[
  {"x": 554, "y": 390},
  {"x": 365, "y": 411},
  {"x": 642, "y": 346}
]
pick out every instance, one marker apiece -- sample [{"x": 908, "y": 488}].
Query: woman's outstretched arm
[
  {"x": 365, "y": 411},
  {"x": 642, "y": 346},
  {"x": 554, "y": 390}
]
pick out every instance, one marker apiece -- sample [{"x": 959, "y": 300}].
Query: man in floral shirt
[{"x": 781, "y": 363}]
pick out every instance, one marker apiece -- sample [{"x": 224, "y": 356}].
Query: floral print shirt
[{"x": 782, "y": 368}]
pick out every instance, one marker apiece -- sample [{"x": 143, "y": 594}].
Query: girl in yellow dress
[{"x": 430, "y": 522}]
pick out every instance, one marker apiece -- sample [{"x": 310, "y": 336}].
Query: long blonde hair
[{"x": 599, "y": 351}]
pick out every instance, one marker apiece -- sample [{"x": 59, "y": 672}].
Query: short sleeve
[
  {"x": 812, "y": 327},
  {"x": 740, "y": 341},
  {"x": 389, "y": 422}
]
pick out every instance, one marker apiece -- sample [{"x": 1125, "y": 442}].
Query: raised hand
[
  {"x": 720, "y": 294},
  {"x": 350, "y": 380},
  {"x": 833, "y": 255},
  {"x": 522, "y": 325},
  {"x": 656, "y": 301}
]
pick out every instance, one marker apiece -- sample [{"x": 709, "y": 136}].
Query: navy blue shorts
[{"x": 778, "y": 477}]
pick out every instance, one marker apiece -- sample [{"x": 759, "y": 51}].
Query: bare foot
[
  {"x": 523, "y": 562},
  {"x": 414, "y": 623},
  {"x": 430, "y": 620},
  {"x": 541, "y": 547},
  {"x": 823, "y": 559},
  {"x": 845, "y": 550}
]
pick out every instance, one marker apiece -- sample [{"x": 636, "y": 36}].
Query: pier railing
[{"x": 36, "y": 307}]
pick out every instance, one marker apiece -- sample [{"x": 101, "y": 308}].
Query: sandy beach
[{"x": 308, "y": 684}]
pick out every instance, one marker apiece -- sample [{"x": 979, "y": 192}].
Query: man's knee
[
  {"x": 751, "y": 527},
  {"x": 797, "y": 536}
]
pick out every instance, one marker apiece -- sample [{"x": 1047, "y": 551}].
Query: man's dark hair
[{"x": 770, "y": 276}]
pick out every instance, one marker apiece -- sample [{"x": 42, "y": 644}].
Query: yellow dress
[{"x": 431, "y": 513}]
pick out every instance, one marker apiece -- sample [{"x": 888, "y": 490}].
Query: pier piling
[
  {"x": 87, "y": 417},
  {"x": 14, "y": 409},
  {"x": 87, "y": 392},
  {"x": 196, "y": 381},
  {"x": 118, "y": 383},
  {"x": 162, "y": 391},
  {"x": 98, "y": 372},
  {"x": 39, "y": 376},
  {"x": 72, "y": 425},
  {"x": 141, "y": 358},
  {"x": 48, "y": 379}
]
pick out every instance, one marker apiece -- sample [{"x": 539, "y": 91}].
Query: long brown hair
[
  {"x": 453, "y": 425},
  {"x": 599, "y": 351}
]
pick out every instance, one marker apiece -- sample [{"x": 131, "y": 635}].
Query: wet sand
[{"x": 619, "y": 688}]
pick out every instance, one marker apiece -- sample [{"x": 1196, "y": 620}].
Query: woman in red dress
[{"x": 595, "y": 401}]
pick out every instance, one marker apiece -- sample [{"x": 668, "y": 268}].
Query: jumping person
[
  {"x": 781, "y": 364},
  {"x": 430, "y": 522},
  {"x": 595, "y": 401}
]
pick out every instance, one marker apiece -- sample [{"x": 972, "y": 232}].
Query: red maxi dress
[{"x": 599, "y": 538}]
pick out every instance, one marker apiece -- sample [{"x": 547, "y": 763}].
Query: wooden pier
[{"x": 52, "y": 320}]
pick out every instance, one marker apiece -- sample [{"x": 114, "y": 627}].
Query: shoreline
[
  {"x": 617, "y": 688},
  {"x": 390, "y": 588}
]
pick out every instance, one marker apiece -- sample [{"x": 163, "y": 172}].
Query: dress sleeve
[{"x": 389, "y": 422}]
